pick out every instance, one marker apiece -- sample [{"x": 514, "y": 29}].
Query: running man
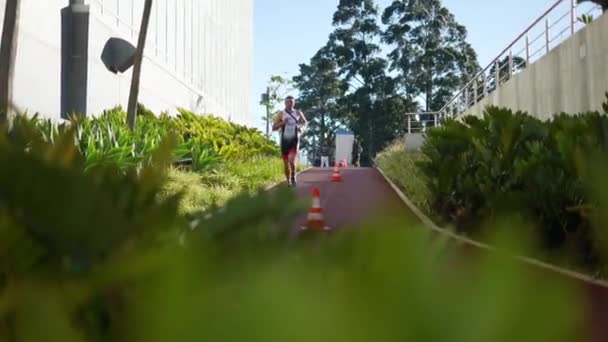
[{"x": 290, "y": 122}]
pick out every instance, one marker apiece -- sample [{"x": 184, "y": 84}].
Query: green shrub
[
  {"x": 228, "y": 157},
  {"x": 206, "y": 139},
  {"x": 506, "y": 162}
]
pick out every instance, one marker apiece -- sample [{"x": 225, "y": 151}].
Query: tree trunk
[
  {"x": 8, "y": 51},
  {"x": 139, "y": 54},
  {"x": 370, "y": 143},
  {"x": 267, "y": 112}
]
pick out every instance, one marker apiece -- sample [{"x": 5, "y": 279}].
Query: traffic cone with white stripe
[
  {"x": 315, "y": 220},
  {"x": 336, "y": 177}
]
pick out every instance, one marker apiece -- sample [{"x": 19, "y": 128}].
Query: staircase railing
[{"x": 548, "y": 31}]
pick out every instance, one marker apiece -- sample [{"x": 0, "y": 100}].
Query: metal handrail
[
  {"x": 449, "y": 110},
  {"x": 416, "y": 123}
]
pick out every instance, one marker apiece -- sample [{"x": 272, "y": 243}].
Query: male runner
[{"x": 290, "y": 122}]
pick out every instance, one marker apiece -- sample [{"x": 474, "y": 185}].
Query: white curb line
[{"x": 431, "y": 225}]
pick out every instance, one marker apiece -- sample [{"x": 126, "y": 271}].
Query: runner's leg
[
  {"x": 292, "y": 165},
  {"x": 285, "y": 156},
  {"x": 286, "y": 169}
]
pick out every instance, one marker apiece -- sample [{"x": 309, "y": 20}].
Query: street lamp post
[{"x": 266, "y": 102}]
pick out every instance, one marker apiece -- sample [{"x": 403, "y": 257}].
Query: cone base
[
  {"x": 324, "y": 228},
  {"x": 315, "y": 224}
]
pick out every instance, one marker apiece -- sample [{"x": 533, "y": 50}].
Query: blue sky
[{"x": 289, "y": 32}]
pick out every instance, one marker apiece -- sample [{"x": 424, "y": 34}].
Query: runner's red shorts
[
  {"x": 291, "y": 152},
  {"x": 289, "y": 147}
]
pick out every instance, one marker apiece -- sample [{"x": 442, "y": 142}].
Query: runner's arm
[
  {"x": 278, "y": 122},
  {"x": 302, "y": 120}
]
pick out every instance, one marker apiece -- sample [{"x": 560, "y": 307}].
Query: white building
[{"x": 198, "y": 56}]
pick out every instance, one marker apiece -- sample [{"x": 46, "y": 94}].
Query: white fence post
[
  {"x": 527, "y": 51},
  {"x": 485, "y": 84},
  {"x": 409, "y": 123},
  {"x": 547, "y": 34},
  {"x": 497, "y": 67},
  {"x": 510, "y": 64},
  {"x": 475, "y": 95},
  {"x": 572, "y": 16}
]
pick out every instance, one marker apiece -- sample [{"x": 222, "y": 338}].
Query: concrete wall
[
  {"x": 571, "y": 78},
  {"x": 198, "y": 56},
  {"x": 413, "y": 141}
]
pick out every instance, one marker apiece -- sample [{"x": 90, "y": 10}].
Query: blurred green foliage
[{"x": 103, "y": 255}]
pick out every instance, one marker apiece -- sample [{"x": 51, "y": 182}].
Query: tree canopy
[
  {"x": 352, "y": 82},
  {"x": 430, "y": 51}
]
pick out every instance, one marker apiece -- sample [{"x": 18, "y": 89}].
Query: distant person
[
  {"x": 289, "y": 122},
  {"x": 324, "y": 156},
  {"x": 356, "y": 153}
]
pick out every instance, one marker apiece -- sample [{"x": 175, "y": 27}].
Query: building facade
[{"x": 198, "y": 56}]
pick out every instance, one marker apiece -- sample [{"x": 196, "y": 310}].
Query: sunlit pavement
[{"x": 363, "y": 196}]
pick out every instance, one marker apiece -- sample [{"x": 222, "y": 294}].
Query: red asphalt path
[{"x": 362, "y": 196}]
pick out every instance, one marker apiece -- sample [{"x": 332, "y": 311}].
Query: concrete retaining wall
[{"x": 571, "y": 78}]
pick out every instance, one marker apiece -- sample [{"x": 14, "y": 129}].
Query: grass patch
[
  {"x": 204, "y": 190},
  {"x": 399, "y": 165},
  {"x": 257, "y": 172}
]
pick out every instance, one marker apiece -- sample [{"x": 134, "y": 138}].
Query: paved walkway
[{"x": 361, "y": 197}]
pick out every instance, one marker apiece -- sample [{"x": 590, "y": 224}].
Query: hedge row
[{"x": 509, "y": 163}]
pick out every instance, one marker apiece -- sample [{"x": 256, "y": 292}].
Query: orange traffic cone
[
  {"x": 315, "y": 219},
  {"x": 336, "y": 177},
  {"x": 344, "y": 164}
]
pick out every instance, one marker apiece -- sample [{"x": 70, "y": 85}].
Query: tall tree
[
  {"x": 430, "y": 50},
  {"x": 139, "y": 54},
  {"x": 377, "y": 117},
  {"x": 8, "y": 49},
  {"x": 355, "y": 43},
  {"x": 320, "y": 88}
]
